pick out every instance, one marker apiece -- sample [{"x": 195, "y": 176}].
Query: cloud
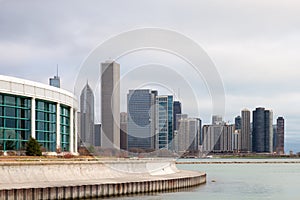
[{"x": 254, "y": 44}]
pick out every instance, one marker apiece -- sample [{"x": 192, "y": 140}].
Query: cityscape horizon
[{"x": 269, "y": 80}]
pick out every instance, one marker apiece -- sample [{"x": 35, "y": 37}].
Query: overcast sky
[{"x": 255, "y": 45}]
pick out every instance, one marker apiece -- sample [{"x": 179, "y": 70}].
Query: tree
[{"x": 33, "y": 148}]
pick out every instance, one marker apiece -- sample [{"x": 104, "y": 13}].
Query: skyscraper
[
  {"x": 262, "y": 134},
  {"x": 87, "y": 116},
  {"x": 55, "y": 81},
  {"x": 217, "y": 119},
  {"x": 97, "y": 131},
  {"x": 218, "y": 138},
  {"x": 123, "y": 130},
  {"x": 245, "y": 131},
  {"x": 141, "y": 118},
  {"x": 164, "y": 122},
  {"x": 110, "y": 104},
  {"x": 238, "y": 122},
  {"x": 176, "y": 110},
  {"x": 280, "y": 135},
  {"x": 188, "y": 134}
]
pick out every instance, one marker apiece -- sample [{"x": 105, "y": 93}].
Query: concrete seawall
[{"x": 69, "y": 180}]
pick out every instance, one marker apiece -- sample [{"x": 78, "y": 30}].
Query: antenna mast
[{"x": 57, "y": 70}]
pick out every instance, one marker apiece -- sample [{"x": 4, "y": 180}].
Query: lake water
[{"x": 238, "y": 181}]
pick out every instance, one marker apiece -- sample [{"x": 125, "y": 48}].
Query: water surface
[{"x": 238, "y": 181}]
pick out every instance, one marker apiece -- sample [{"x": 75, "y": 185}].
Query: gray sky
[{"x": 254, "y": 44}]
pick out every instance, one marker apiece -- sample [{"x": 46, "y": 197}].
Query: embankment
[{"x": 89, "y": 179}]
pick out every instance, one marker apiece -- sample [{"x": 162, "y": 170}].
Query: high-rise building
[
  {"x": 123, "y": 130},
  {"x": 110, "y": 104},
  {"x": 164, "y": 122},
  {"x": 141, "y": 118},
  {"x": 274, "y": 137},
  {"x": 262, "y": 134},
  {"x": 200, "y": 134},
  {"x": 218, "y": 138},
  {"x": 97, "y": 131},
  {"x": 238, "y": 123},
  {"x": 236, "y": 140},
  {"x": 188, "y": 135},
  {"x": 280, "y": 135},
  {"x": 245, "y": 131},
  {"x": 55, "y": 81},
  {"x": 176, "y": 111},
  {"x": 87, "y": 136},
  {"x": 217, "y": 119}
]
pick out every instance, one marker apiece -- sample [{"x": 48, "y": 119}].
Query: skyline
[{"x": 253, "y": 47}]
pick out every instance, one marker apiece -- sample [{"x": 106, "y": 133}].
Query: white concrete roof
[{"x": 22, "y": 87}]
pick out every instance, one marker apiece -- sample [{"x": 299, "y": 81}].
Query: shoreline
[
  {"x": 92, "y": 179},
  {"x": 239, "y": 162}
]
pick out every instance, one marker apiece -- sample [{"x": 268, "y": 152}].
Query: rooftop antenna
[{"x": 56, "y": 70}]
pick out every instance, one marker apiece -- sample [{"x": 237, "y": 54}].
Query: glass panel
[
  {"x": 10, "y": 123},
  {"x": 40, "y": 105},
  {"x": 9, "y": 100},
  {"x": 10, "y": 112}
]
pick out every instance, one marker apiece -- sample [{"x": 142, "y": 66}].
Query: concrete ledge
[{"x": 69, "y": 180}]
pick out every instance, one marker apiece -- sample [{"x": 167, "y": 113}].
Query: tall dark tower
[
  {"x": 245, "y": 131},
  {"x": 262, "y": 136},
  {"x": 280, "y": 135},
  {"x": 176, "y": 110},
  {"x": 238, "y": 122},
  {"x": 87, "y": 116}
]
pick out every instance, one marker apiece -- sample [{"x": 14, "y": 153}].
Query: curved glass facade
[
  {"x": 15, "y": 126},
  {"x": 15, "y": 123},
  {"x": 65, "y": 128},
  {"x": 46, "y": 124}
]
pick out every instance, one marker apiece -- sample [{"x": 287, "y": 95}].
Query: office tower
[
  {"x": 87, "y": 116},
  {"x": 55, "y": 81},
  {"x": 236, "y": 140},
  {"x": 110, "y": 104},
  {"x": 188, "y": 135},
  {"x": 245, "y": 131},
  {"x": 141, "y": 116},
  {"x": 200, "y": 134},
  {"x": 218, "y": 138},
  {"x": 164, "y": 122},
  {"x": 274, "y": 137},
  {"x": 176, "y": 110},
  {"x": 262, "y": 135},
  {"x": 178, "y": 117},
  {"x": 280, "y": 135},
  {"x": 238, "y": 122},
  {"x": 97, "y": 131},
  {"x": 123, "y": 130},
  {"x": 217, "y": 119}
]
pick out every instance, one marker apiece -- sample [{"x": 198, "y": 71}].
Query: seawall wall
[{"x": 69, "y": 180}]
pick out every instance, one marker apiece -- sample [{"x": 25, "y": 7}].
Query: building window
[
  {"x": 14, "y": 122},
  {"x": 65, "y": 128},
  {"x": 46, "y": 124}
]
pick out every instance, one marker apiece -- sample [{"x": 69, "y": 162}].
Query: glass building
[
  {"x": 141, "y": 117},
  {"x": 164, "y": 122},
  {"x": 262, "y": 133},
  {"x": 45, "y": 113}
]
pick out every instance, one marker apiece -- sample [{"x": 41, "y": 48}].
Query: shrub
[{"x": 33, "y": 148}]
